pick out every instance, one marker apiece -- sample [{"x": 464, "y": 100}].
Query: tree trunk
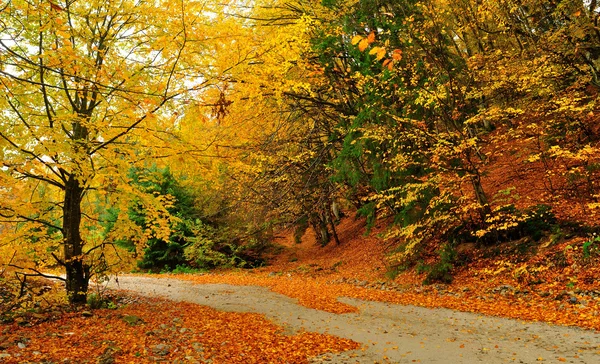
[
  {"x": 324, "y": 233},
  {"x": 330, "y": 220},
  {"x": 334, "y": 232},
  {"x": 335, "y": 209},
  {"x": 485, "y": 210},
  {"x": 320, "y": 228},
  {"x": 77, "y": 271}
]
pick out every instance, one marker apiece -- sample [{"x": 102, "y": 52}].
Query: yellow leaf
[
  {"x": 381, "y": 53},
  {"x": 356, "y": 39},
  {"x": 363, "y": 45}
]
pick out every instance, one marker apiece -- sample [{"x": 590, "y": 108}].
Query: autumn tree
[
  {"x": 273, "y": 147},
  {"x": 398, "y": 105},
  {"x": 430, "y": 81},
  {"x": 90, "y": 90}
]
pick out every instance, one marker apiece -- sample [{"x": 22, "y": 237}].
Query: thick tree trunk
[{"x": 77, "y": 271}]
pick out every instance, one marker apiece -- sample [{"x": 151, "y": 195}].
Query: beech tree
[{"x": 90, "y": 88}]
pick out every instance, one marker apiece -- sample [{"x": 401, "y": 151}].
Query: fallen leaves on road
[
  {"x": 320, "y": 293},
  {"x": 317, "y": 276}
]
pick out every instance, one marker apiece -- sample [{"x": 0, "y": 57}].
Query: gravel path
[{"x": 393, "y": 333}]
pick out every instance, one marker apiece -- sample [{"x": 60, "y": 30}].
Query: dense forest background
[{"x": 173, "y": 137}]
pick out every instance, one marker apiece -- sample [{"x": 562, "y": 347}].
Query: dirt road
[{"x": 393, "y": 333}]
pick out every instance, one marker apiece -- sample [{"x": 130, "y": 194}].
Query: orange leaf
[
  {"x": 397, "y": 55},
  {"x": 371, "y": 37},
  {"x": 363, "y": 45}
]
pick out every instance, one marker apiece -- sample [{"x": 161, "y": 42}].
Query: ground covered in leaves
[
  {"x": 142, "y": 330},
  {"x": 549, "y": 281}
]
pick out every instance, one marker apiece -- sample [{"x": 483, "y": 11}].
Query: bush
[
  {"x": 508, "y": 223},
  {"x": 185, "y": 269},
  {"x": 591, "y": 248},
  {"x": 441, "y": 271}
]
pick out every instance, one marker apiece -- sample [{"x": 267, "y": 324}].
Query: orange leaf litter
[
  {"x": 187, "y": 332},
  {"x": 316, "y": 276}
]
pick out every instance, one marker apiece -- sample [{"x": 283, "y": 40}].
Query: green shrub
[
  {"x": 97, "y": 300},
  {"x": 590, "y": 248},
  {"x": 185, "y": 269},
  {"x": 300, "y": 229},
  {"x": 441, "y": 271}
]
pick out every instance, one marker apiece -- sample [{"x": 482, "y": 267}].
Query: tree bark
[{"x": 77, "y": 271}]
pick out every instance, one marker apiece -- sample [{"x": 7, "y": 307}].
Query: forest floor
[
  {"x": 390, "y": 333},
  {"x": 311, "y": 300}
]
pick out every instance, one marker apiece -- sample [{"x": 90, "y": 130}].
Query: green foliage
[
  {"x": 442, "y": 270},
  {"x": 369, "y": 211},
  {"x": 300, "y": 229},
  {"x": 164, "y": 254},
  {"x": 98, "y": 300},
  {"x": 203, "y": 252},
  {"x": 220, "y": 247},
  {"x": 94, "y": 301},
  {"x": 591, "y": 248},
  {"x": 185, "y": 269}
]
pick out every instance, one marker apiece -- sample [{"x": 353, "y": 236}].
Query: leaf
[
  {"x": 356, "y": 39},
  {"x": 363, "y": 45},
  {"x": 371, "y": 37},
  {"x": 380, "y": 51},
  {"x": 397, "y": 55}
]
